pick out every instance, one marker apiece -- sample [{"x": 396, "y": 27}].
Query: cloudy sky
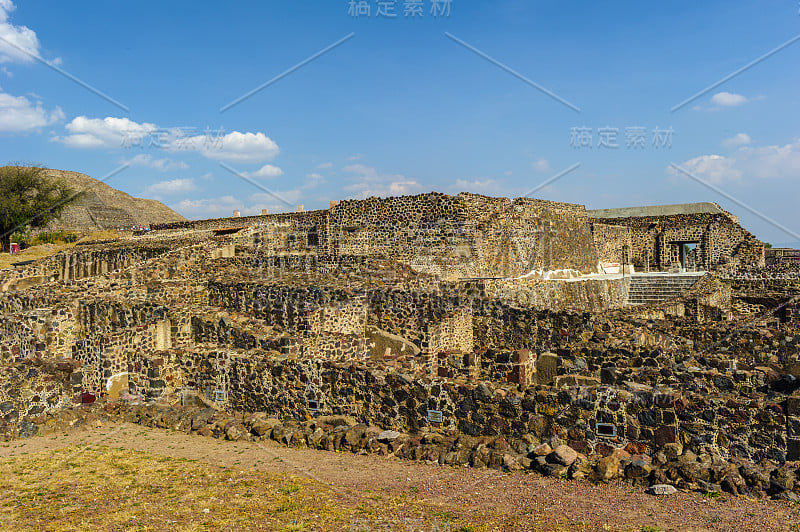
[{"x": 211, "y": 108}]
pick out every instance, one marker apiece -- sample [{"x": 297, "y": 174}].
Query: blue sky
[{"x": 400, "y": 107}]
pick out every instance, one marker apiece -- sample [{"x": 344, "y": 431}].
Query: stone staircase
[
  {"x": 648, "y": 288},
  {"x": 90, "y": 212}
]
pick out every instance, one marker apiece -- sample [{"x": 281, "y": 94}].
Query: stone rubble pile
[{"x": 673, "y": 465}]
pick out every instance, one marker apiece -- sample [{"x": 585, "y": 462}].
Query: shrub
[
  {"x": 55, "y": 237},
  {"x": 22, "y": 237}
]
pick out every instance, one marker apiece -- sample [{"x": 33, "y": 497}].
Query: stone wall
[
  {"x": 38, "y": 332},
  {"x": 721, "y": 242},
  {"x": 34, "y": 387},
  {"x": 782, "y": 260},
  {"x": 78, "y": 263},
  {"x": 304, "y": 316},
  {"x": 452, "y": 236},
  {"x": 612, "y": 242},
  {"x": 589, "y": 295},
  {"x": 743, "y": 418},
  {"x": 792, "y": 313},
  {"x": 452, "y": 333}
]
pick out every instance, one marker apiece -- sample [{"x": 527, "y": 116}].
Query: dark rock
[
  {"x": 26, "y": 429},
  {"x": 202, "y": 417}
]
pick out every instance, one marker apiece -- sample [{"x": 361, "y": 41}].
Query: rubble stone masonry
[{"x": 414, "y": 314}]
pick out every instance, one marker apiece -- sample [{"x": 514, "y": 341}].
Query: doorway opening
[{"x": 687, "y": 255}]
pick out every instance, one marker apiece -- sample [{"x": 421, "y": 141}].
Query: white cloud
[
  {"x": 365, "y": 172},
  {"x": 19, "y": 114},
  {"x": 767, "y": 162},
  {"x": 727, "y": 99},
  {"x": 224, "y": 206},
  {"x": 508, "y": 173},
  {"x": 368, "y": 182},
  {"x": 208, "y": 208},
  {"x": 325, "y": 166},
  {"x": 20, "y": 36},
  {"x": 117, "y": 133},
  {"x": 162, "y": 165},
  {"x": 541, "y": 165},
  {"x": 713, "y": 168},
  {"x": 173, "y": 186},
  {"x": 760, "y": 162},
  {"x": 233, "y": 147},
  {"x": 739, "y": 139},
  {"x": 487, "y": 186},
  {"x": 109, "y": 132},
  {"x": 267, "y": 171},
  {"x": 7, "y": 72}
]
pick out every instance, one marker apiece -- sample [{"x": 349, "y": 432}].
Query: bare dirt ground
[{"x": 377, "y": 493}]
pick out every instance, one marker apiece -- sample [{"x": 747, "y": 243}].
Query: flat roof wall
[{"x": 660, "y": 210}]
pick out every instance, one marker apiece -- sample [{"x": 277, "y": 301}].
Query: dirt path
[{"x": 517, "y": 501}]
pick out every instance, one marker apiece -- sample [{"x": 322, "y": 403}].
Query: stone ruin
[
  {"x": 654, "y": 238},
  {"x": 459, "y": 329}
]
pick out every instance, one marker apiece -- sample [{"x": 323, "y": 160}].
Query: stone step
[
  {"x": 644, "y": 289},
  {"x": 657, "y": 291}
]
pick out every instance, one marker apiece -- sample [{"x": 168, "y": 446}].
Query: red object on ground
[
  {"x": 14, "y": 248},
  {"x": 87, "y": 398}
]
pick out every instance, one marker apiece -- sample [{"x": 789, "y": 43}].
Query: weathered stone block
[
  {"x": 546, "y": 368},
  {"x": 793, "y": 449},
  {"x": 664, "y": 435},
  {"x": 793, "y": 427},
  {"x": 793, "y": 405},
  {"x": 521, "y": 356}
]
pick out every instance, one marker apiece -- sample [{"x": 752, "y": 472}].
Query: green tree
[{"x": 28, "y": 197}]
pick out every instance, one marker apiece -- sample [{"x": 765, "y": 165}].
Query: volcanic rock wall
[
  {"x": 612, "y": 242},
  {"x": 452, "y": 236},
  {"x": 654, "y": 240},
  {"x": 286, "y": 321}
]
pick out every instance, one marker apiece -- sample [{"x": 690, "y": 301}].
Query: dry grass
[
  {"x": 45, "y": 250},
  {"x": 102, "y": 235},
  {"x": 32, "y": 253},
  {"x": 101, "y": 488}
]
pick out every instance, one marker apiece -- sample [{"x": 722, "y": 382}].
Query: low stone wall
[
  {"x": 227, "y": 334},
  {"x": 79, "y": 263},
  {"x": 590, "y": 295},
  {"x": 306, "y": 220},
  {"x": 744, "y": 417},
  {"x": 704, "y": 472},
  {"x": 747, "y": 419},
  {"x": 34, "y": 387}
]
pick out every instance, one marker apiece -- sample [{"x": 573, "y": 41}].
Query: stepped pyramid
[{"x": 103, "y": 207}]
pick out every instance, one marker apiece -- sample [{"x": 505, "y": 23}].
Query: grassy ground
[
  {"x": 45, "y": 250},
  {"x": 87, "y": 487},
  {"x": 129, "y": 477}
]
